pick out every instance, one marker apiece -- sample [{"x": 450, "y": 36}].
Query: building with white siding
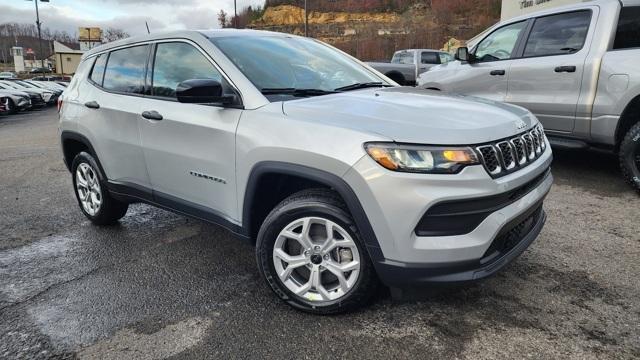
[{"x": 513, "y": 8}]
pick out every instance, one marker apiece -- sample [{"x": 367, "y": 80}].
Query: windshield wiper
[
  {"x": 357, "y": 86},
  {"x": 296, "y": 92}
]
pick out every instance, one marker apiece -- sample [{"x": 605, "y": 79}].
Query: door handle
[
  {"x": 92, "y": 105},
  {"x": 152, "y": 115},
  {"x": 567, "y": 69},
  {"x": 497, "y": 72}
]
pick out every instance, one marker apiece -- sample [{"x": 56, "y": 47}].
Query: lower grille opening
[
  {"x": 459, "y": 217},
  {"x": 514, "y": 232}
]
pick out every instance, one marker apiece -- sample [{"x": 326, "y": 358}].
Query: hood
[
  {"x": 411, "y": 115},
  {"x": 27, "y": 90},
  {"x": 14, "y": 92},
  {"x": 35, "y": 91},
  {"x": 435, "y": 72}
]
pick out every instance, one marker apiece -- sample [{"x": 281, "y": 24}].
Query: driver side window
[{"x": 500, "y": 44}]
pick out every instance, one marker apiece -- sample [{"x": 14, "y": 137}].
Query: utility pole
[
  {"x": 235, "y": 14},
  {"x": 306, "y": 20},
  {"x": 38, "y": 23}
]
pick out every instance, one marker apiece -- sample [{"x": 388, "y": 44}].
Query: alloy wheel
[
  {"x": 88, "y": 188},
  {"x": 7, "y": 105},
  {"x": 316, "y": 259}
]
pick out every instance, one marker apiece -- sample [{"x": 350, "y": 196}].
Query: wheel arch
[
  {"x": 72, "y": 144},
  {"x": 252, "y": 219},
  {"x": 630, "y": 116}
]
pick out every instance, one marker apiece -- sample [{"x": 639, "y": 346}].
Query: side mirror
[
  {"x": 462, "y": 54},
  {"x": 202, "y": 91}
]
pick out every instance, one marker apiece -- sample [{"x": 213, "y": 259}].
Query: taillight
[{"x": 59, "y": 103}]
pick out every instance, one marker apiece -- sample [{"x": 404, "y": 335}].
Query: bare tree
[
  {"x": 222, "y": 19},
  {"x": 113, "y": 34}
]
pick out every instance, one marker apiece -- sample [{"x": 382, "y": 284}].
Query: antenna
[{"x": 146, "y": 23}]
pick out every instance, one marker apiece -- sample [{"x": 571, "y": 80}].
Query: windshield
[
  {"x": 11, "y": 85},
  {"x": 279, "y": 62},
  {"x": 24, "y": 84}
]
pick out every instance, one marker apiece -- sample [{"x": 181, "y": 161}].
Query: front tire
[
  {"x": 91, "y": 192},
  {"x": 630, "y": 156},
  {"x": 11, "y": 107},
  {"x": 310, "y": 253}
]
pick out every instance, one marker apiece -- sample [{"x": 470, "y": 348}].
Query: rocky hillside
[{"x": 369, "y": 33}]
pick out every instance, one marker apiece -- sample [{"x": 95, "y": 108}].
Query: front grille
[
  {"x": 512, "y": 234},
  {"x": 507, "y": 156},
  {"x": 490, "y": 156}
]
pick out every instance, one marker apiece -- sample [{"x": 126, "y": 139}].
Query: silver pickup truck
[
  {"x": 406, "y": 65},
  {"x": 576, "y": 67}
]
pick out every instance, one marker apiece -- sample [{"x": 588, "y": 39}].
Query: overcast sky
[{"x": 129, "y": 15}]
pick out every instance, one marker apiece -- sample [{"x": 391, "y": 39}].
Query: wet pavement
[{"x": 160, "y": 285}]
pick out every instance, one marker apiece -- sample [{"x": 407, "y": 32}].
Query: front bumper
[
  {"x": 397, "y": 202},
  {"x": 402, "y": 274},
  {"x": 37, "y": 101},
  {"x": 24, "y": 104}
]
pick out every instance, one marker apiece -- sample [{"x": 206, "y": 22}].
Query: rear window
[
  {"x": 98, "y": 69},
  {"x": 628, "y": 32},
  {"x": 126, "y": 70}
]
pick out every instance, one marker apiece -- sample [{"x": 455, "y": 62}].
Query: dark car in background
[{"x": 41, "y": 70}]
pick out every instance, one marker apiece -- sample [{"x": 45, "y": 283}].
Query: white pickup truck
[
  {"x": 406, "y": 65},
  {"x": 576, "y": 67}
]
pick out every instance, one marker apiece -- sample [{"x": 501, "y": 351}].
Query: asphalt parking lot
[{"x": 161, "y": 285}]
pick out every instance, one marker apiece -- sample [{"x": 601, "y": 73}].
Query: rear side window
[
  {"x": 98, "y": 69},
  {"x": 126, "y": 69},
  {"x": 558, "y": 34},
  {"x": 628, "y": 33},
  {"x": 429, "y": 58},
  {"x": 402, "y": 57},
  {"x": 177, "y": 62}
]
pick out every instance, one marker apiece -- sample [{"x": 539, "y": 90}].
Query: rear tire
[
  {"x": 629, "y": 156},
  {"x": 310, "y": 253},
  {"x": 90, "y": 187}
]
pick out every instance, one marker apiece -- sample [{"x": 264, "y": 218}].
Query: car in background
[
  {"x": 37, "y": 85},
  {"x": 41, "y": 70},
  {"x": 406, "y": 65},
  {"x": 57, "y": 78},
  {"x": 576, "y": 67},
  {"x": 43, "y": 98},
  {"x": 7, "y": 75},
  {"x": 16, "y": 100},
  {"x": 47, "y": 84}
]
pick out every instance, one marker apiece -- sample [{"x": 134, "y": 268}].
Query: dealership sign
[{"x": 529, "y": 3}]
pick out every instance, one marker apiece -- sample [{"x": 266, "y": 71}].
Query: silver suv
[
  {"x": 343, "y": 179},
  {"x": 576, "y": 67}
]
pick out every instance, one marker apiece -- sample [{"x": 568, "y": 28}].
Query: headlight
[{"x": 421, "y": 159}]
